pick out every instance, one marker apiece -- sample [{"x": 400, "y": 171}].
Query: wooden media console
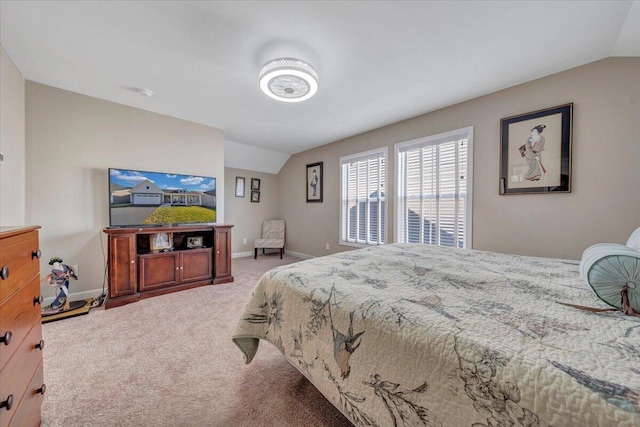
[{"x": 137, "y": 270}]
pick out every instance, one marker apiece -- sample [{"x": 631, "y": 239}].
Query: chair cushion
[
  {"x": 269, "y": 243},
  {"x": 273, "y": 229}
]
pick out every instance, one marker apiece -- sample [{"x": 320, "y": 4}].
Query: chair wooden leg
[
  {"x": 255, "y": 253},
  {"x": 262, "y": 251},
  {"x": 281, "y": 252}
]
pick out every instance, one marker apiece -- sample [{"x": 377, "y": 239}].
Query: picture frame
[
  {"x": 160, "y": 241},
  {"x": 315, "y": 186},
  {"x": 255, "y": 197},
  {"x": 255, "y": 184},
  {"x": 240, "y": 181},
  {"x": 535, "y": 151},
  {"x": 194, "y": 242}
]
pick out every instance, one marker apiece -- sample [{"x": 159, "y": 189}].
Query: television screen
[{"x": 155, "y": 198}]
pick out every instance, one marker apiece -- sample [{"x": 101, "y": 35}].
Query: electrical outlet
[
  {"x": 244, "y": 241},
  {"x": 327, "y": 246}
]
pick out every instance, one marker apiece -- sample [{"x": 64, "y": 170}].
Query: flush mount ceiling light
[{"x": 288, "y": 80}]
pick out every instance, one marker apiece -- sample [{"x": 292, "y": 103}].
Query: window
[
  {"x": 434, "y": 189},
  {"x": 363, "y": 201}
]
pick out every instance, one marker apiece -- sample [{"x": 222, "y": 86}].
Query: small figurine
[{"x": 60, "y": 274}]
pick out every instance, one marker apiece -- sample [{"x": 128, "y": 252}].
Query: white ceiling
[{"x": 379, "y": 62}]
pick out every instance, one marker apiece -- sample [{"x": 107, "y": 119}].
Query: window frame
[
  {"x": 381, "y": 152},
  {"x": 453, "y": 135}
]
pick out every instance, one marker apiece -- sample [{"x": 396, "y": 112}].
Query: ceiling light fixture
[{"x": 288, "y": 80}]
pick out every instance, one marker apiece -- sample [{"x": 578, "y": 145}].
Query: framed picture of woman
[
  {"x": 314, "y": 182},
  {"x": 535, "y": 151}
]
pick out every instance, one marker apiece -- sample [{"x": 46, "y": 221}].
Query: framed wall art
[
  {"x": 239, "y": 186},
  {"x": 535, "y": 151},
  {"x": 314, "y": 182},
  {"x": 255, "y": 184},
  {"x": 255, "y": 197}
]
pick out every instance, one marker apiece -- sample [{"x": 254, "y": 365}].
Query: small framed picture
[
  {"x": 255, "y": 197},
  {"x": 314, "y": 182},
  {"x": 194, "y": 241},
  {"x": 535, "y": 153},
  {"x": 239, "y": 186},
  {"x": 160, "y": 241},
  {"x": 255, "y": 184}
]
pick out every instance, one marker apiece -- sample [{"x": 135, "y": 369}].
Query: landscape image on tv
[{"x": 149, "y": 198}]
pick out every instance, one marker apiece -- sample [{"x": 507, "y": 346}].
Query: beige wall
[
  {"x": 247, "y": 217},
  {"x": 604, "y": 205},
  {"x": 12, "y": 143},
  {"x": 71, "y": 140}
]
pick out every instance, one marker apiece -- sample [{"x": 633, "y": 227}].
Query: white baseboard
[
  {"x": 298, "y": 254},
  {"x": 251, "y": 253},
  {"x": 241, "y": 254},
  {"x": 77, "y": 296}
]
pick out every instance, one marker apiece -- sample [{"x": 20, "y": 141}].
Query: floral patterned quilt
[{"x": 419, "y": 335}]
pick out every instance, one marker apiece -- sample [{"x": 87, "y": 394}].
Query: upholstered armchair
[{"x": 272, "y": 237}]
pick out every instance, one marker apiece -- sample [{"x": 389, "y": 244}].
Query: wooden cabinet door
[
  {"x": 159, "y": 270},
  {"x": 195, "y": 264},
  {"x": 222, "y": 256},
  {"x": 122, "y": 265}
]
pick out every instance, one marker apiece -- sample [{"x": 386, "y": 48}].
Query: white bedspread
[{"x": 411, "y": 335}]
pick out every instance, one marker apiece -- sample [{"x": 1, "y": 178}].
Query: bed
[{"x": 413, "y": 335}]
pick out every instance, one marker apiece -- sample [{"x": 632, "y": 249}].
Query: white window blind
[
  {"x": 434, "y": 189},
  {"x": 363, "y": 199}
]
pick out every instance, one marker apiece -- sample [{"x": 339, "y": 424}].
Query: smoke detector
[{"x": 145, "y": 92}]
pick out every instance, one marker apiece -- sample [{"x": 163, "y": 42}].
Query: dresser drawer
[
  {"x": 17, "y": 375},
  {"x": 17, "y": 254},
  {"x": 27, "y": 413},
  {"x": 18, "y": 315}
]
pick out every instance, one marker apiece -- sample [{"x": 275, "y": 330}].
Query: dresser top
[{"x": 8, "y": 231}]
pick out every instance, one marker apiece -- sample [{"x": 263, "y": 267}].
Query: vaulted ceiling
[{"x": 378, "y": 62}]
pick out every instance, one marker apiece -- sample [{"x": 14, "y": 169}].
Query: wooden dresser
[{"x": 21, "y": 345}]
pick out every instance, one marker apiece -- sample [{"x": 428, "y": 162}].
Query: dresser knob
[
  {"x": 6, "y": 338},
  {"x": 4, "y": 273},
  {"x": 7, "y": 403},
  {"x": 42, "y": 390},
  {"x": 36, "y": 254},
  {"x": 40, "y": 345},
  {"x": 38, "y": 300}
]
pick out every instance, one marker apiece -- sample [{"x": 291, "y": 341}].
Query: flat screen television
[{"x": 141, "y": 198}]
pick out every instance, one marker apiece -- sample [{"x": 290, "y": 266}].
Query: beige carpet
[{"x": 169, "y": 361}]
